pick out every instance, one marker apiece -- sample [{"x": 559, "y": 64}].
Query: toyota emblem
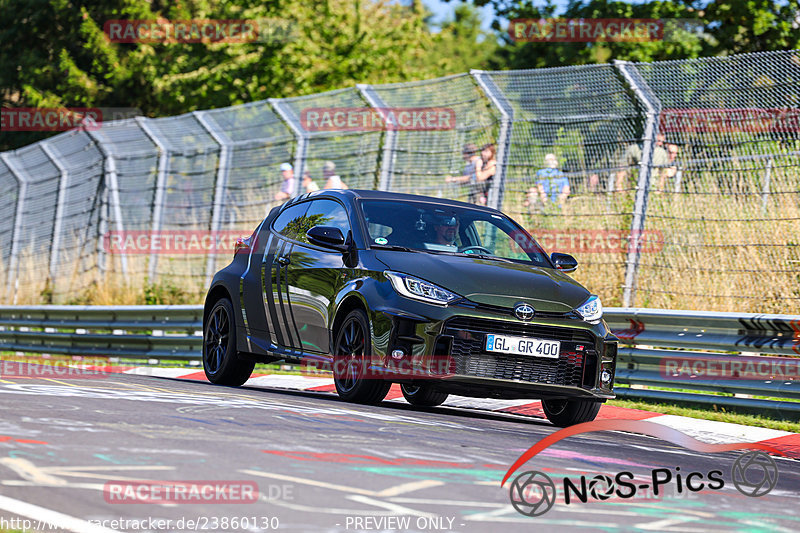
[{"x": 524, "y": 311}]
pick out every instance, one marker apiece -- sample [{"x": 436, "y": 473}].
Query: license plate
[{"x": 523, "y": 346}]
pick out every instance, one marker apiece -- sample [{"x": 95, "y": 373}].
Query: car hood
[{"x": 491, "y": 282}]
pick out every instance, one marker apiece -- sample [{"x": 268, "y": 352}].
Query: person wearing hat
[
  {"x": 333, "y": 180},
  {"x": 287, "y": 187}
]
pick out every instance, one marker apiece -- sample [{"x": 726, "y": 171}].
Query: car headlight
[
  {"x": 591, "y": 310},
  {"x": 419, "y": 289}
]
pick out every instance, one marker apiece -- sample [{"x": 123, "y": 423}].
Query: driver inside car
[{"x": 446, "y": 233}]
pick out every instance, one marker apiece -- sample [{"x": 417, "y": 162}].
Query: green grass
[{"x": 720, "y": 414}]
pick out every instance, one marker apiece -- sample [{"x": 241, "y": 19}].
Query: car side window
[
  {"x": 291, "y": 223},
  {"x": 327, "y": 213}
]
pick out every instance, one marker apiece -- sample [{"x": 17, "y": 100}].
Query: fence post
[
  {"x": 221, "y": 185},
  {"x": 13, "y": 260},
  {"x": 59, "y": 218},
  {"x": 288, "y": 116},
  {"x": 765, "y": 187},
  {"x": 390, "y": 135},
  {"x": 112, "y": 189},
  {"x": 653, "y": 109},
  {"x": 161, "y": 185},
  {"x": 499, "y": 101}
]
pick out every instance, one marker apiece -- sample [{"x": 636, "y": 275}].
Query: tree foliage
[
  {"x": 694, "y": 28},
  {"x": 55, "y": 53}
]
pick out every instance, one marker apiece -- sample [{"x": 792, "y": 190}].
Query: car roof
[{"x": 396, "y": 196}]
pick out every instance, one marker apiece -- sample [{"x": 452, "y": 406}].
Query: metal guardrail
[
  {"x": 137, "y": 331},
  {"x": 743, "y": 354},
  {"x": 706, "y": 352}
]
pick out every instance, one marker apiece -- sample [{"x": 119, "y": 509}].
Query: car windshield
[{"x": 400, "y": 224}]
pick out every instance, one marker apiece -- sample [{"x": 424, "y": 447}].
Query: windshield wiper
[
  {"x": 392, "y": 247},
  {"x": 484, "y": 256}
]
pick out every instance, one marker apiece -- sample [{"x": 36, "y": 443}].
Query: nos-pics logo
[{"x": 533, "y": 493}]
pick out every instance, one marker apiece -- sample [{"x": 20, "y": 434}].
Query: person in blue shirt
[{"x": 552, "y": 187}]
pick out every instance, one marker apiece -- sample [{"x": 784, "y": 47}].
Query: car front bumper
[{"x": 445, "y": 346}]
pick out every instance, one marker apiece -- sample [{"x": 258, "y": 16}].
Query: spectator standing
[
  {"x": 485, "y": 175},
  {"x": 288, "y": 184},
  {"x": 670, "y": 168},
  {"x": 660, "y": 160},
  {"x": 472, "y": 166},
  {"x": 332, "y": 180},
  {"x": 632, "y": 157}
]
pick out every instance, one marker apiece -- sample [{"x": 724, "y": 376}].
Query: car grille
[
  {"x": 571, "y": 315},
  {"x": 482, "y": 326},
  {"x": 470, "y": 359}
]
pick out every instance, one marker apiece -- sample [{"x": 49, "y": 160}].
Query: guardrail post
[
  {"x": 499, "y": 101},
  {"x": 221, "y": 185},
  {"x": 112, "y": 189},
  {"x": 653, "y": 109},
  {"x": 59, "y": 218},
  {"x": 161, "y": 185},
  {"x": 390, "y": 135},
  {"x": 287, "y": 114},
  {"x": 12, "y": 281}
]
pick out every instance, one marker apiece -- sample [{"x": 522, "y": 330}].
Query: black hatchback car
[{"x": 440, "y": 296}]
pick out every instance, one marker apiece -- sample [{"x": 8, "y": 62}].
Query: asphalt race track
[{"x": 320, "y": 464}]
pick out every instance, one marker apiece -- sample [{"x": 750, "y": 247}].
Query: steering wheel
[{"x": 480, "y": 248}]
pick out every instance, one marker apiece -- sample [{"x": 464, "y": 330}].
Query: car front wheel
[
  {"x": 351, "y": 360},
  {"x": 422, "y": 395},
  {"x": 220, "y": 360},
  {"x": 565, "y": 413}
]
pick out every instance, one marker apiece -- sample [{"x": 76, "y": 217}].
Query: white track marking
[
  {"x": 391, "y": 491},
  {"x": 50, "y": 518},
  {"x": 393, "y": 507},
  {"x": 409, "y": 487},
  {"x": 30, "y": 472}
]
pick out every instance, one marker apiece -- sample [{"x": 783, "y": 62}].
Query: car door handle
[{"x": 283, "y": 260}]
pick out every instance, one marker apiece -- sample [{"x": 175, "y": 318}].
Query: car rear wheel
[
  {"x": 422, "y": 395},
  {"x": 565, "y": 413},
  {"x": 351, "y": 362},
  {"x": 220, "y": 360}
]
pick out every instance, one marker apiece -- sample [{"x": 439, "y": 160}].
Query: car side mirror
[
  {"x": 327, "y": 237},
  {"x": 564, "y": 262}
]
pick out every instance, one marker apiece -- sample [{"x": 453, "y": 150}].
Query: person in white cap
[
  {"x": 287, "y": 187},
  {"x": 333, "y": 181}
]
